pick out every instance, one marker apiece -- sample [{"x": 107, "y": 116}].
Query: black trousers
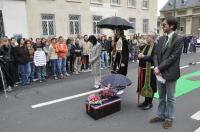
[
  {"x": 85, "y": 64},
  {"x": 117, "y": 61},
  {"x": 8, "y": 71},
  {"x": 71, "y": 63},
  {"x": 148, "y": 100},
  {"x": 185, "y": 49}
]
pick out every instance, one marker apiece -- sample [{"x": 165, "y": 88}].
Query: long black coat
[
  {"x": 167, "y": 59},
  {"x": 7, "y": 65},
  {"x": 125, "y": 57},
  {"x": 141, "y": 71}
]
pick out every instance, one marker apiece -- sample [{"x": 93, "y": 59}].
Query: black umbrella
[
  {"x": 116, "y": 80},
  {"x": 115, "y": 22}
]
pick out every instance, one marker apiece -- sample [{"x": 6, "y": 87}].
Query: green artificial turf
[{"x": 187, "y": 83}]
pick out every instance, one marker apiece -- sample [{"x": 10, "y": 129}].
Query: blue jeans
[
  {"x": 25, "y": 71},
  {"x": 167, "y": 100},
  {"x": 41, "y": 72},
  {"x": 32, "y": 67},
  {"x": 62, "y": 66},
  {"x": 104, "y": 57},
  {"x": 54, "y": 67}
]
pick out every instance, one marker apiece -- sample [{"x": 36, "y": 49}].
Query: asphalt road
[{"x": 16, "y": 114}]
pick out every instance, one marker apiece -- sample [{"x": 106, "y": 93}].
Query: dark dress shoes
[
  {"x": 142, "y": 104},
  {"x": 148, "y": 106}
]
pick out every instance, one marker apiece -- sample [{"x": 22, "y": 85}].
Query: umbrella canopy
[
  {"x": 116, "y": 80},
  {"x": 115, "y": 22}
]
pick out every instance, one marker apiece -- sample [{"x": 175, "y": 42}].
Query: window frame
[
  {"x": 145, "y": 28},
  {"x": 2, "y": 34},
  {"x": 96, "y": 28},
  {"x": 47, "y": 22},
  {"x": 132, "y": 6},
  {"x": 115, "y": 4},
  {"x": 132, "y": 31},
  {"x": 144, "y": 7},
  {"x": 183, "y": 2},
  {"x": 74, "y": 27},
  {"x": 99, "y": 2}
]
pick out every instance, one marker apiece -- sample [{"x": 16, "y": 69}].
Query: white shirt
[
  {"x": 169, "y": 37},
  {"x": 119, "y": 45}
]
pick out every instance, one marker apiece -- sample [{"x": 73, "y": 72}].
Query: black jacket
[
  {"x": 167, "y": 59},
  {"x": 22, "y": 54},
  {"x": 125, "y": 57},
  {"x": 7, "y": 53},
  {"x": 76, "y": 50}
]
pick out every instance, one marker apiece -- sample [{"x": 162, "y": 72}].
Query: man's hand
[
  {"x": 140, "y": 55},
  {"x": 156, "y": 71}
]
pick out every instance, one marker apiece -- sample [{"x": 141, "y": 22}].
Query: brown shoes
[
  {"x": 156, "y": 120},
  {"x": 167, "y": 124}
]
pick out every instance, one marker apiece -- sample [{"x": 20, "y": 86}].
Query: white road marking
[
  {"x": 198, "y": 62},
  {"x": 78, "y": 95},
  {"x": 183, "y": 67},
  {"x": 197, "y": 130},
  {"x": 64, "y": 99},
  {"x": 196, "y": 116}
]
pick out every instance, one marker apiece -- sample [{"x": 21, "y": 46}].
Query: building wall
[
  {"x": 62, "y": 8},
  {"x": 195, "y": 25},
  {"x": 190, "y": 19},
  {"x": 14, "y": 17}
]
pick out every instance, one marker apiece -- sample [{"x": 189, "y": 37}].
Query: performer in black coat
[
  {"x": 7, "y": 62},
  {"x": 121, "y": 53}
]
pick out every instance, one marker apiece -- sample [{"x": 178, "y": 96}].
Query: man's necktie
[{"x": 166, "y": 41}]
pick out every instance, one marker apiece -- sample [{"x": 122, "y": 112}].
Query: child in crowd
[{"x": 40, "y": 63}]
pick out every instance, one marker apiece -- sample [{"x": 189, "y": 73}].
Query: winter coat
[
  {"x": 61, "y": 50},
  {"x": 39, "y": 58},
  {"x": 94, "y": 59},
  {"x": 22, "y": 54}
]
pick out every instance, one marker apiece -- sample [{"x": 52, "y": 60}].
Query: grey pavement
[{"x": 16, "y": 114}]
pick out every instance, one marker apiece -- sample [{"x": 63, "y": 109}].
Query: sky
[{"x": 161, "y": 3}]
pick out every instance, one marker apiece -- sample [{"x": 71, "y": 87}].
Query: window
[
  {"x": 76, "y": 1},
  {"x": 96, "y": 1},
  {"x": 133, "y": 23},
  {"x": 96, "y": 20},
  {"x": 183, "y": 1},
  {"x": 145, "y": 25},
  {"x": 2, "y": 33},
  {"x": 131, "y": 3},
  {"x": 48, "y": 25},
  {"x": 115, "y": 2},
  {"x": 74, "y": 24},
  {"x": 181, "y": 28},
  {"x": 145, "y": 4}
]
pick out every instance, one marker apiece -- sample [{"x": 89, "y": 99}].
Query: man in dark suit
[
  {"x": 167, "y": 61},
  {"x": 186, "y": 44}
]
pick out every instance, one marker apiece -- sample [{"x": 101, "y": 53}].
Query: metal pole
[{"x": 174, "y": 8}]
